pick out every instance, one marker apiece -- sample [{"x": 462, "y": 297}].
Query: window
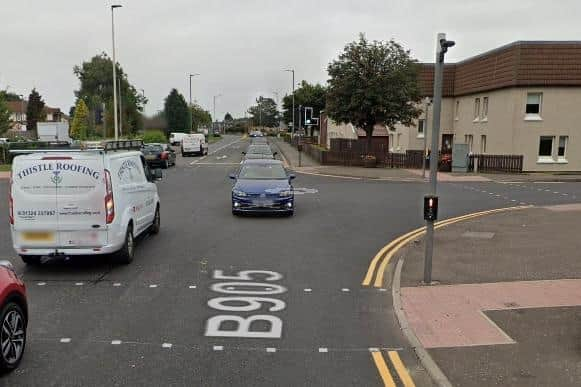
[
  {"x": 546, "y": 147},
  {"x": 562, "y": 150},
  {"x": 457, "y": 110},
  {"x": 421, "y": 128},
  {"x": 469, "y": 139},
  {"x": 484, "y": 108},
  {"x": 483, "y": 144},
  {"x": 533, "y": 104},
  {"x": 476, "y": 109}
]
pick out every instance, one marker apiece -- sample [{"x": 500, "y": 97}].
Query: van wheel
[
  {"x": 165, "y": 165},
  {"x": 156, "y": 225},
  {"x": 125, "y": 255},
  {"x": 31, "y": 259},
  {"x": 12, "y": 336}
]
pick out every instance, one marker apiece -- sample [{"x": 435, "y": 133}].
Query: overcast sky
[{"x": 240, "y": 47}]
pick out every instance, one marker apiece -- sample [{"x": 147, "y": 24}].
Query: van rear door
[{"x": 61, "y": 200}]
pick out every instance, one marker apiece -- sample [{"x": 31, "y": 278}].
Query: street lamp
[
  {"x": 114, "y": 71},
  {"x": 21, "y": 110},
  {"x": 216, "y": 96},
  {"x": 431, "y": 200},
  {"x": 191, "y": 119},
  {"x": 293, "y": 129},
  {"x": 427, "y": 103}
]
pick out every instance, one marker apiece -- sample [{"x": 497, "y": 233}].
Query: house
[
  {"x": 519, "y": 99},
  {"x": 18, "y": 114}
]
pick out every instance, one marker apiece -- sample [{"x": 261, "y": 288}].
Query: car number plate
[
  {"x": 40, "y": 236},
  {"x": 150, "y": 157}
]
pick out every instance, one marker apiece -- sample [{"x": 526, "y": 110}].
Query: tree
[
  {"x": 96, "y": 89},
  {"x": 200, "y": 117},
  {"x": 176, "y": 112},
  {"x": 311, "y": 95},
  {"x": 264, "y": 113},
  {"x": 228, "y": 117},
  {"x": 373, "y": 83},
  {"x": 80, "y": 124},
  {"x": 5, "y": 122},
  {"x": 34, "y": 112}
]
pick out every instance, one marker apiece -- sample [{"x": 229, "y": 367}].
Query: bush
[{"x": 154, "y": 136}]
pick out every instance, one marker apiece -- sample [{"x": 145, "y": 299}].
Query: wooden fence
[{"x": 496, "y": 163}]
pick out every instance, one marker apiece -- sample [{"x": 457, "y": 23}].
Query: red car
[{"x": 13, "y": 317}]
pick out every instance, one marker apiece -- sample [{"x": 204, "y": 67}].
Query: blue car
[{"x": 262, "y": 186}]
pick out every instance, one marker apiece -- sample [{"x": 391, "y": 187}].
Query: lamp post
[
  {"x": 216, "y": 96},
  {"x": 431, "y": 200},
  {"x": 191, "y": 119},
  {"x": 293, "y": 129},
  {"x": 21, "y": 110},
  {"x": 427, "y": 103},
  {"x": 114, "y": 71}
]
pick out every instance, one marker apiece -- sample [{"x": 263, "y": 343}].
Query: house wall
[{"x": 335, "y": 130}]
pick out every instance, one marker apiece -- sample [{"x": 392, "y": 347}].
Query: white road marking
[
  {"x": 218, "y": 348},
  {"x": 373, "y": 349},
  {"x": 345, "y": 290},
  {"x": 555, "y": 192},
  {"x": 117, "y": 284},
  {"x": 79, "y": 283},
  {"x": 65, "y": 340},
  {"x": 192, "y": 286},
  {"x": 153, "y": 286},
  {"x": 522, "y": 203},
  {"x": 565, "y": 194},
  {"x": 270, "y": 350},
  {"x": 323, "y": 350},
  {"x": 230, "y": 288},
  {"x": 198, "y": 160},
  {"x": 383, "y": 290},
  {"x": 308, "y": 290},
  {"x": 41, "y": 283},
  {"x": 116, "y": 342},
  {"x": 513, "y": 200},
  {"x": 166, "y": 345}
]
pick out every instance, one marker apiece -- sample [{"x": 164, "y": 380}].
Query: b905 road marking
[{"x": 245, "y": 283}]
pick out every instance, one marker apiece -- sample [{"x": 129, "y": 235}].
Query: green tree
[
  {"x": 5, "y": 122},
  {"x": 96, "y": 89},
  {"x": 373, "y": 83},
  {"x": 80, "y": 125},
  {"x": 264, "y": 113},
  {"x": 200, "y": 117},
  {"x": 176, "y": 112},
  {"x": 311, "y": 95},
  {"x": 228, "y": 117},
  {"x": 9, "y": 96},
  {"x": 34, "y": 112}
]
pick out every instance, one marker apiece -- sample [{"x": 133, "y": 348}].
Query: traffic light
[{"x": 430, "y": 207}]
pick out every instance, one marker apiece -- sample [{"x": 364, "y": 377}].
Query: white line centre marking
[
  {"x": 271, "y": 350},
  {"x": 41, "y": 283},
  {"x": 192, "y": 286},
  {"x": 117, "y": 284},
  {"x": 218, "y": 348},
  {"x": 166, "y": 345},
  {"x": 79, "y": 283},
  {"x": 65, "y": 340},
  {"x": 116, "y": 342},
  {"x": 308, "y": 290},
  {"x": 153, "y": 286},
  {"x": 323, "y": 350},
  {"x": 345, "y": 290}
]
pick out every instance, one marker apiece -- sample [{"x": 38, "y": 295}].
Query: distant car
[
  {"x": 255, "y": 156},
  {"x": 159, "y": 155},
  {"x": 194, "y": 144},
  {"x": 262, "y": 186},
  {"x": 256, "y": 133},
  {"x": 259, "y": 149},
  {"x": 259, "y": 141},
  {"x": 4, "y": 140},
  {"x": 217, "y": 133},
  {"x": 13, "y": 317},
  {"x": 176, "y": 138}
]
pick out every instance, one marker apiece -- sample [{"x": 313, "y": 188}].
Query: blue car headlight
[
  {"x": 237, "y": 192},
  {"x": 285, "y": 194}
]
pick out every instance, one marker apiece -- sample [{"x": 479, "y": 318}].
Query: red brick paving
[{"x": 451, "y": 315}]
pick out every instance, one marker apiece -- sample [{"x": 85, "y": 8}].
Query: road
[{"x": 155, "y": 322}]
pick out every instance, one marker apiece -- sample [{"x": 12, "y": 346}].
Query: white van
[
  {"x": 176, "y": 138},
  {"x": 194, "y": 144},
  {"x": 82, "y": 202}
]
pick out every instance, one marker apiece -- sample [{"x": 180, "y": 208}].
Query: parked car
[
  {"x": 82, "y": 202},
  {"x": 194, "y": 144},
  {"x": 13, "y": 317},
  {"x": 262, "y": 186},
  {"x": 256, "y": 133},
  {"x": 176, "y": 138},
  {"x": 159, "y": 155}
]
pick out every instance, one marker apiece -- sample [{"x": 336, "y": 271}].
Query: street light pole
[
  {"x": 216, "y": 96},
  {"x": 293, "y": 129},
  {"x": 114, "y": 71},
  {"x": 442, "y": 46},
  {"x": 120, "y": 109},
  {"x": 191, "y": 118},
  {"x": 426, "y": 110},
  {"x": 21, "y": 110}
]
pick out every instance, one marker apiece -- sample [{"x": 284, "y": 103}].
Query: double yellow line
[
  {"x": 397, "y": 365},
  {"x": 379, "y": 263}
]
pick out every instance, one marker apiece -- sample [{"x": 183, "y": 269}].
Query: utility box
[{"x": 460, "y": 158}]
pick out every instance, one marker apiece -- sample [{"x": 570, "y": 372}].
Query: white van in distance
[
  {"x": 194, "y": 144},
  {"x": 176, "y": 138},
  {"x": 82, "y": 202}
]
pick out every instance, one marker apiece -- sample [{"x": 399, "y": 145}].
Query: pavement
[
  {"x": 506, "y": 307},
  {"x": 180, "y": 313},
  {"x": 311, "y": 166}
]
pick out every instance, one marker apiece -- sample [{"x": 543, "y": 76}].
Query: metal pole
[
  {"x": 300, "y": 135},
  {"x": 190, "y": 109},
  {"x": 214, "y": 117},
  {"x": 293, "y": 130},
  {"x": 434, "y": 155},
  {"x": 120, "y": 109},
  {"x": 114, "y": 72},
  {"x": 425, "y": 140}
]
